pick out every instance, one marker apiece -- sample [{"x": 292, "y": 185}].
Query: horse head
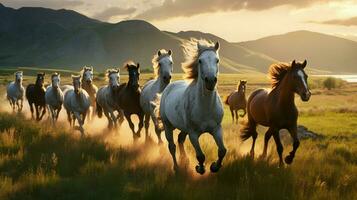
[
  {"x": 18, "y": 77},
  {"x": 134, "y": 74},
  {"x": 299, "y": 80},
  {"x": 165, "y": 65},
  {"x": 55, "y": 79},
  {"x": 87, "y": 75},
  {"x": 40, "y": 79},
  {"x": 242, "y": 85},
  {"x": 113, "y": 76},
  {"x": 76, "y": 80},
  {"x": 208, "y": 60}
]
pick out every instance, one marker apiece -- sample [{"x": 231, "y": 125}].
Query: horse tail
[
  {"x": 226, "y": 99},
  {"x": 245, "y": 130},
  {"x": 99, "y": 110},
  {"x": 156, "y": 107}
]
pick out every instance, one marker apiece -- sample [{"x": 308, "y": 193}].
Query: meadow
[{"x": 41, "y": 161}]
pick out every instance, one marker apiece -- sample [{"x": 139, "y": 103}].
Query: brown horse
[
  {"x": 129, "y": 97},
  {"x": 237, "y": 101},
  {"x": 276, "y": 108}
]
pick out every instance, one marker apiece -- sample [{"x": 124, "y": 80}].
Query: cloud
[
  {"x": 54, "y": 4},
  {"x": 106, "y": 14},
  {"x": 342, "y": 22},
  {"x": 188, "y": 8}
]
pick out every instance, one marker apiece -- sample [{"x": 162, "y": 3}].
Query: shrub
[{"x": 331, "y": 83}]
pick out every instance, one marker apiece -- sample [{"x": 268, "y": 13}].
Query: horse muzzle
[
  {"x": 210, "y": 83},
  {"x": 305, "y": 96},
  {"x": 167, "y": 79}
]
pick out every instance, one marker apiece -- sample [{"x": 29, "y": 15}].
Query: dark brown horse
[
  {"x": 129, "y": 97},
  {"x": 35, "y": 94},
  {"x": 276, "y": 108},
  {"x": 237, "y": 101}
]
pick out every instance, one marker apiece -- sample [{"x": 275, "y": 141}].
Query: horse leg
[
  {"x": 267, "y": 137},
  {"x": 43, "y": 111},
  {"x": 120, "y": 117},
  {"x": 18, "y": 105},
  {"x": 113, "y": 118},
  {"x": 170, "y": 139},
  {"x": 37, "y": 112},
  {"x": 296, "y": 143},
  {"x": 58, "y": 112},
  {"x": 131, "y": 125},
  {"x": 236, "y": 113},
  {"x": 147, "y": 124},
  {"x": 69, "y": 118},
  {"x": 279, "y": 147},
  {"x": 218, "y": 138},
  {"x": 110, "y": 122},
  {"x": 31, "y": 109},
  {"x": 141, "y": 124},
  {"x": 254, "y": 137},
  {"x": 21, "y": 105},
  {"x": 80, "y": 122},
  {"x": 181, "y": 140},
  {"x": 232, "y": 115},
  {"x": 200, "y": 168}
]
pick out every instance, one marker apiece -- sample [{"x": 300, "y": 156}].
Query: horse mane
[
  {"x": 54, "y": 74},
  {"x": 277, "y": 72},
  {"x": 128, "y": 64},
  {"x": 155, "y": 61},
  {"x": 109, "y": 72},
  {"x": 192, "y": 52},
  {"x": 84, "y": 69}
]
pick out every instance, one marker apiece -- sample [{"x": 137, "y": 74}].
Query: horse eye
[{"x": 199, "y": 61}]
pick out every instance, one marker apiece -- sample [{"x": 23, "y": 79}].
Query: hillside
[{"x": 325, "y": 52}]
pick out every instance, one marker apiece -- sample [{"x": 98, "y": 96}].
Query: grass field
[{"x": 38, "y": 161}]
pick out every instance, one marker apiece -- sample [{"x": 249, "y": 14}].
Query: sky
[{"x": 233, "y": 20}]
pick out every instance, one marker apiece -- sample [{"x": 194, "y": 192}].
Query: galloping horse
[
  {"x": 76, "y": 102},
  {"x": 162, "y": 64},
  {"x": 15, "y": 92},
  {"x": 106, "y": 99},
  {"x": 276, "y": 108},
  {"x": 129, "y": 97},
  {"x": 35, "y": 94},
  {"x": 54, "y": 97},
  {"x": 194, "y": 108},
  {"x": 88, "y": 85},
  {"x": 237, "y": 101}
]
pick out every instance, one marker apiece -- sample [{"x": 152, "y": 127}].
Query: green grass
[{"x": 38, "y": 161}]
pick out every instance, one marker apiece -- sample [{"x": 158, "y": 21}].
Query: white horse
[
  {"x": 194, "y": 107},
  {"x": 88, "y": 85},
  {"x": 15, "y": 92},
  {"x": 76, "y": 102},
  {"x": 106, "y": 99},
  {"x": 54, "y": 97},
  {"x": 162, "y": 64}
]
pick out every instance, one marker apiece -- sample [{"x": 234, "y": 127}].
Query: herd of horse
[{"x": 192, "y": 105}]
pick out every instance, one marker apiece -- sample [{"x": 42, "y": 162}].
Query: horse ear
[
  {"x": 118, "y": 70},
  {"x": 304, "y": 64},
  {"x": 170, "y": 52},
  {"x": 91, "y": 68},
  {"x": 137, "y": 65},
  {"x": 293, "y": 63},
  {"x": 159, "y": 53},
  {"x": 199, "y": 45},
  {"x": 44, "y": 73},
  {"x": 216, "y": 46}
]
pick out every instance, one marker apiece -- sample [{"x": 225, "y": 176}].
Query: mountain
[
  {"x": 40, "y": 37},
  {"x": 46, "y": 38},
  {"x": 324, "y": 52}
]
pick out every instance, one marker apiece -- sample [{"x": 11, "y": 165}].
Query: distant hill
[
  {"x": 46, "y": 38},
  {"x": 322, "y": 51}
]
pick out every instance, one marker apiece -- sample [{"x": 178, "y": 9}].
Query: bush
[{"x": 331, "y": 83}]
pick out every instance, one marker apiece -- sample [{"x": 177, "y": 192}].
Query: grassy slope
[{"x": 39, "y": 162}]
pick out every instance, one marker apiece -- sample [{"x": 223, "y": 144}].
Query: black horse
[
  {"x": 35, "y": 94},
  {"x": 129, "y": 97}
]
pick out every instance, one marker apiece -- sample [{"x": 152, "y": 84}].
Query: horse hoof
[
  {"x": 215, "y": 167},
  {"x": 200, "y": 169},
  {"x": 289, "y": 159}
]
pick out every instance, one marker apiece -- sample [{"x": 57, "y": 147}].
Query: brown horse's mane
[
  {"x": 84, "y": 69},
  {"x": 129, "y": 64},
  {"x": 155, "y": 61},
  {"x": 277, "y": 72},
  {"x": 192, "y": 52}
]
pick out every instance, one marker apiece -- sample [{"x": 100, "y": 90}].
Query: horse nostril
[
  {"x": 170, "y": 77},
  {"x": 215, "y": 79}
]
